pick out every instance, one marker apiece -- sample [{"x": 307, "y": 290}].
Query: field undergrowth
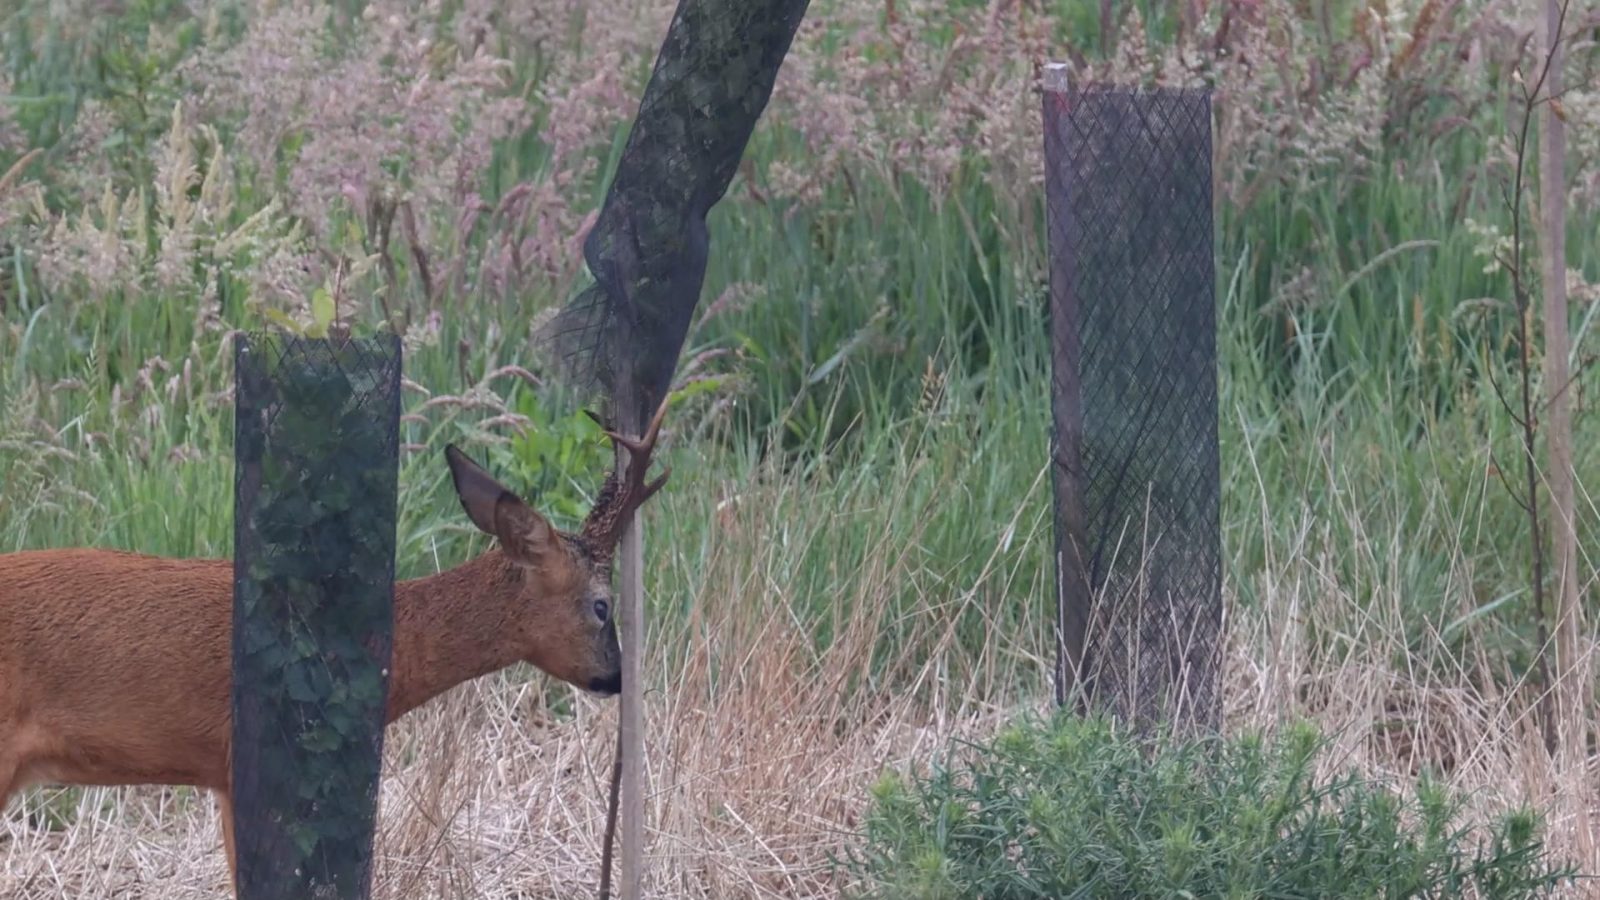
[{"x": 850, "y": 566}]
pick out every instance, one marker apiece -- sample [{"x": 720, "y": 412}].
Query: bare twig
[
  {"x": 1499, "y": 392},
  {"x": 611, "y": 821},
  {"x": 1511, "y": 491}
]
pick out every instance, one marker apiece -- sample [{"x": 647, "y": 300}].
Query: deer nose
[{"x": 611, "y": 684}]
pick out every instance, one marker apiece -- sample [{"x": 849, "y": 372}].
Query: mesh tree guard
[
  {"x": 1134, "y": 401},
  {"x": 648, "y": 250},
  {"x": 316, "y": 456}
]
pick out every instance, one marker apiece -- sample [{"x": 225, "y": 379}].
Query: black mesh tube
[
  {"x": 316, "y": 458},
  {"x": 1134, "y": 400},
  {"x": 647, "y": 252}
]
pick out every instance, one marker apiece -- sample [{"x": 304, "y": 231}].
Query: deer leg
[
  {"x": 8, "y": 777},
  {"x": 11, "y": 781},
  {"x": 225, "y": 812}
]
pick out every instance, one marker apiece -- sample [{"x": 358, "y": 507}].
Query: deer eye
[{"x": 601, "y": 610}]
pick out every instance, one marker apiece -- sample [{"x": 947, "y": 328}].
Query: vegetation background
[{"x": 851, "y": 566}]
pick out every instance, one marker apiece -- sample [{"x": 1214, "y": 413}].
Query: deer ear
[
  {"x": 524, "y": 534},
  {"x": 479, "y": 492}
]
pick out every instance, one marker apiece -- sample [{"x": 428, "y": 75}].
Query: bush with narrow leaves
[{"x": 1072, "y": 808}]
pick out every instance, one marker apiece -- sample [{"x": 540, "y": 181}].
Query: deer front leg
[
  {"x": 225, "y": 811},
  {"x": 8, "y": 776}
]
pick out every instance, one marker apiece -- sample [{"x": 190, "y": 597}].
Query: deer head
[{"x": 563, "y": 581}]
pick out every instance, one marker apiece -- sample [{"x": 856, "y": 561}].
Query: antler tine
[
  {"x": 623, "y": 495},
  {"x": 647, "y": 443},
  {"x": 638, "y": 445},
  {"x": 651, "y": 488}
]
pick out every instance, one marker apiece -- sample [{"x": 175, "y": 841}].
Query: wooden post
[
  {"x": 630, "y": 554},
  {"x": 1570, "y": 683},
  {"x": 1074, "y": 592}
]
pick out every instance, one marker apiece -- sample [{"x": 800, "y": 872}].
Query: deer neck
[{"x": 452, "y": 627}]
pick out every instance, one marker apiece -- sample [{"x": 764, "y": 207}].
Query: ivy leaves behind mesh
[{"x": 315, "y": 502}]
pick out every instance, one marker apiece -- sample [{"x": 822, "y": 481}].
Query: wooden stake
[
  {"x": 1571, "y": 683},
  {"x": 630, "y": 554}
]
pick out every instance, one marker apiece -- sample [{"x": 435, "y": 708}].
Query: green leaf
[
  {"x": 322, "y": 311},
  {"x": 321, "y": 739},
  {"x": 305, "y": 839},
  {"x": 299, "y": 685},
  {"x": 278, "y": 318}
]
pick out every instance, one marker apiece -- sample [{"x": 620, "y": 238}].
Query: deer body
[{"x": 116, "y": 668}]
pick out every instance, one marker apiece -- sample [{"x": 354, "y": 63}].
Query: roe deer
[{"x": 115, "y": 668}]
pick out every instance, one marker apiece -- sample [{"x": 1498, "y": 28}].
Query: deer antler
[{"x": 622, "y": 495}]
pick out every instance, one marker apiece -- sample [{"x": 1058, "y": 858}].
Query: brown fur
[{"x": 115, "y": 668}]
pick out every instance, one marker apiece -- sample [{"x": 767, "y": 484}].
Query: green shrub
[{"x": 1073, "y": 808}]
